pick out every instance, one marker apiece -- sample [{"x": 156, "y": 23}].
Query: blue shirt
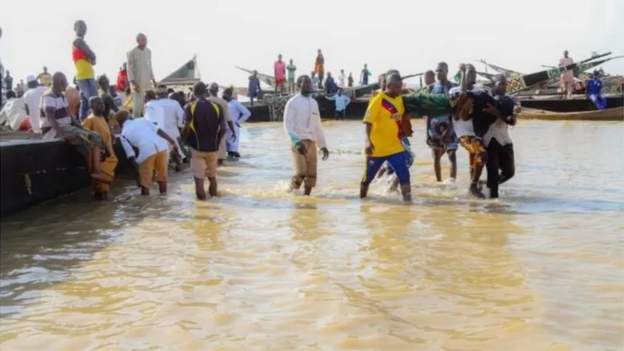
[
  {"x": 342, "y": 101},
  {"x": 594, "y": 87},
  {"x": 254, "y": 87}
]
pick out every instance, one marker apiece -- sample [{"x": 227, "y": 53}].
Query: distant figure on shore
[
  {"x": 153, "y": 156},
  {"x": 84, "y": 60},
  {"x": 19, "y": 88},
  {"x": 254, "y": 89},
  {"x": 341, "y": 102},
  {"x": 364, "y": 75},
  {"x": 315, "y": 80},
  {"x": 45, "y": 78},
  {"x": 381, "y": 80},
  {"x": 441, "y": 137},
  {"x": 319, "y": 68},
  {"x": 8, "y": 81},
  {"x": 205, "y": 128},
  {"x": 58, "y": 124},
  {"x": 594, "y": 91},
  {"x": 240, "y": 114},
  {"x": 566, "y": 80},
  {"x": 98, "y": 122},
  {"x": 279, "y": 70},
  {"x": 342, "y": 78},
  {"x": 122, "y": 77},
  {"x": 291, "y": 76},
  {"x": 350, "y": 80},
  {"x": 330, "y": 85},
  {"x": 32, "y": 98},
  {"x": 214, "y": 97},
  {"x": 302, "y": 124},
  {"x": 140, "y": 73},
  {"x": 500, "y": 163},
  {"x": 383, "y": 142}
]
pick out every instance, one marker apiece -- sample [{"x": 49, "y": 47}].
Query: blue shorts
[{"x": 397, "y": 161}]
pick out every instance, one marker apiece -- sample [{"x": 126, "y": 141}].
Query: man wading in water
[
  {"x": 383, "y": 142},
  {"x": 500, "y": 163},
  {"x": 302, "y": 123},
  {"x": 205, "y": 128},
  {"x": 463, "y": 123},
  {"x": 441, "y": 136}
]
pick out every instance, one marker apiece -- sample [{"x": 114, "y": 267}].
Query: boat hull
[
  {"x": 37, "y": 170},
  {"x": 571, "y": 105},
  {"x": 612, "y": 114}
]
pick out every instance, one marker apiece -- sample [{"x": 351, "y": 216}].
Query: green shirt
[{"x": 291, "y": 71}]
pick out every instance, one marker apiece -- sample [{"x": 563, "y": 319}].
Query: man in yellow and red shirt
[
  {"x": 84, "y": 59},
  {"x": 384, "y": 133}
]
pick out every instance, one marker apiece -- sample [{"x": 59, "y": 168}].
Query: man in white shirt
[
  {"x": 302, "y": 123},
  {"x": 14, "y": 112},
  {"x": 140, "y": 73},
  {"x": 342, "y": 78},
  {"x": 153, "y": 155},
  {"x": 239, "y": 114},
  {"x": 171, "y": 119},
  {"x": 153, "y": 112},
  {"x": 214, "y": 97},
  {"x": 32, "y": 98}
]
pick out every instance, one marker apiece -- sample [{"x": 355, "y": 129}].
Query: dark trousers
[
  {"x": 500, "y": 158},
  {"x": 341, "y": 114}
]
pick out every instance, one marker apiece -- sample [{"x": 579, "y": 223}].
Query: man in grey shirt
[{"x": 140, "y": 73}]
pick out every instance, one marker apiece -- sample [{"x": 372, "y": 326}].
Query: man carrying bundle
[
  {"x": 471, "y": 118},
  {"x": 441, "y": 136},
  {"x": 499, "y": 144}
]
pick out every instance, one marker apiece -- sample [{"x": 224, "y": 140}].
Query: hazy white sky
[{"x": 409, "y": 35}]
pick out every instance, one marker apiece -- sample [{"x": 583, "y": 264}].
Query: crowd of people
[
  {"x": 160, "y": 128},
  {"x": 157, "y": 128},
  {"x": 284, "y": 76},
  {"x": 468, "y": 115}
]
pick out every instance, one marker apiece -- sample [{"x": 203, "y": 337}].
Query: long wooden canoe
[{"x": 611, "y": 114}]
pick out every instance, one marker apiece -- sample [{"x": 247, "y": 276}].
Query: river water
[{"x": 261, "y": 269}]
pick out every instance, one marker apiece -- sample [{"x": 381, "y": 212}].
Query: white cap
[{"x": 31, "y": 78}]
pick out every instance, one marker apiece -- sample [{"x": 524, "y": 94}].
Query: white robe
[
  {"x": 173, "y": 119},
  {"x": 239, "y": 114}
]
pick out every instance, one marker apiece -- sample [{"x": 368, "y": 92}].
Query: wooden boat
[
  {"x": 576, "y": 104},
  {"x": 36, "y": 169},
  {"x": 610, "y": 114}
]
